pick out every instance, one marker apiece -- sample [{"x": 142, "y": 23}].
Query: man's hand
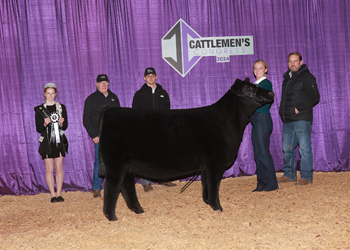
[
  {"x": 296, "y": 111},
  {"x": 96, "y": 139}
]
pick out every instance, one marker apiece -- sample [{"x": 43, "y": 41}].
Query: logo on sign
[{"x": 182, "y": 47}]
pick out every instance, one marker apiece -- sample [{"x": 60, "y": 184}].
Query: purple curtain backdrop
[{"x": 70, "y": 42}]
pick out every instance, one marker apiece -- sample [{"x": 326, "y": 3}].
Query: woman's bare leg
[
  {"x": 50, "y": 181},
  {"x": 59, "y": 174}
]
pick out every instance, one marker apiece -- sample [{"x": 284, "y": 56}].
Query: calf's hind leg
[
  {"x": 204, "y": 187},
  {"x": 114, "y": 179},
  {"x": 110, "y": 198},
  {"x": 129, "y": 193}
]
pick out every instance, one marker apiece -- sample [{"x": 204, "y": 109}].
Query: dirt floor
[{"x": 314, "y": 216}]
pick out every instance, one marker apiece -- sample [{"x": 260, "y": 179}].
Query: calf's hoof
[
  {"x": 138, "y": 210},
  {"x": 111, "y": 217},
  {"x": 216, "y": 208}
]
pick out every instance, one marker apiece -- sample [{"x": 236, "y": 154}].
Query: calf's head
[{"x": 249, "y": 91}]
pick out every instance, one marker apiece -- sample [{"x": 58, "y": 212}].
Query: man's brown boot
[
  {"x": 96, "y": 193},
  {"x": 303, "y": 182},
  {"x": 147, "y": 187},
  {"x": 284, "y": 179},
  {"x": 168, "y": 184}
]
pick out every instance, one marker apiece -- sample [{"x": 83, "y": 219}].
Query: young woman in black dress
[{"x": 51, "y": 120}]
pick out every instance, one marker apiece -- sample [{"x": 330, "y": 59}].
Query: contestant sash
[{"x": 56, "y": 131}]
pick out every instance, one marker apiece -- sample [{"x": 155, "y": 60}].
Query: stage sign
[{"x": 182, "y": 47}]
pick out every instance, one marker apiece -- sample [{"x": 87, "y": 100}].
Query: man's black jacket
[{"x": 298, "y": 92}]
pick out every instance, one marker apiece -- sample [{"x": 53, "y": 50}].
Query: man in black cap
[
  {"x": 94, "y": 104},
  {"x": 151, "y": 96}
]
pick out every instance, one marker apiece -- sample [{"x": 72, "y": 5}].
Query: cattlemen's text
[{"x": 219, "y": 43}]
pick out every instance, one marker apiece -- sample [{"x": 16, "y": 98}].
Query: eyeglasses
[{"x": 103, "y": 83}]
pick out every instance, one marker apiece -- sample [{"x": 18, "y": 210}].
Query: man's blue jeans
[
  {"x": 294, "y": 133},
  {"x": 144, "y": 181},
  {"x": 96, "y": 180}
]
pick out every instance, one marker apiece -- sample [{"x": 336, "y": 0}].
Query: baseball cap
[
  {"x": 150, "y": 71},
  {"x": 101, "y": 78}
]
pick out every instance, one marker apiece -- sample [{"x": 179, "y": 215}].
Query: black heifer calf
[{"x": 168, "y": 144}]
